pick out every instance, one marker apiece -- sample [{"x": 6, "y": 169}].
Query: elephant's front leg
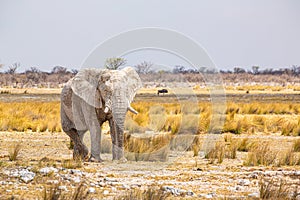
[
  {"x": 113, "y": 135},
  {"x": 95, "y": 133}
]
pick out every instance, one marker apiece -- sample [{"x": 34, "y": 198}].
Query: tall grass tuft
[
  {"x": 151, "y": 193},
  {"x": 55, "y": 193},
  {"x": 72, "y": 163},
  {"x": 276, "y": 189},
  {"x": 296, "y": 145},
  {"x": 147, "y": 147},
  {"x": 14, "y": 152}
]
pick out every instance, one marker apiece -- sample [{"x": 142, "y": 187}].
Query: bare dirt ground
[
  {"x": 45, "y": 160},
  {"x": 40, "y": 165}
]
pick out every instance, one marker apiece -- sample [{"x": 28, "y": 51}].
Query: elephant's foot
[
  {"x": 123, "y": 160},
  {"x": 80, "y": 152},
  {"x": 93, "y": 159}
]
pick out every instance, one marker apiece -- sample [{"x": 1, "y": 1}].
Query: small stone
[
  {"x": 208, "y": 196},
  {"x": 47, "y": 170},
  {"x": 105, "y": 192},
  {"x": 26, "y": 178},
  {"x": 238, "y": 188},
  {"x": 92, "y": 184},
  {"x": 101, "y": 184},
  {"x": 76, "y": 179},
  {"x": 126, "y": 186},
  {"x": 63, "y": 187},
  {"x": 254, "y": 194},
  {"x": 297, "y": 173},
  {"x": 110, "y": 179},
  {"x": 92, "y": 190},
  {"x": 3, "y": 182},
  {"x": 53, "y": 181},
  {"x": 244, "y": 182},
  {"x": 23, "y": 188},
  {"x": 190, "y": 193},
  {"x": 76, "y": 171},
  {"x": 8, "y": 190}
]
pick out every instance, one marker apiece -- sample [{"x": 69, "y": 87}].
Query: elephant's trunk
[{"x": 119, "y": 109}]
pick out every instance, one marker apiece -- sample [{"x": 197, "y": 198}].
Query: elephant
[{"x": 92, "y": 97}]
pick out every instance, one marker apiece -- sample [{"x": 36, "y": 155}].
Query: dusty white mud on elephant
[{"x": 93, "y": 97}]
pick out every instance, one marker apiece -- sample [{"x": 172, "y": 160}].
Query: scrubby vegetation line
[{"x": 189, "y": 118}]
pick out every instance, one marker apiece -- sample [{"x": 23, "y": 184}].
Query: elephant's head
[{"x": 112, "y": 91}]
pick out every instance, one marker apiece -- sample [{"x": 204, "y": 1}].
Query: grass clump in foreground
[
  {"x": 55, "y": 193},
  {"x": 276, "y": 189},
  {"x": 147, "y": 148},
  {"x": 296, "y": 145},
  {"x": 151, "y": 193},
  {"x": 72, "y": 163},
  {"x": 14, "y": 152},
  {"x": 261, "y": 153},
  {"x": 221, "y": 150}
]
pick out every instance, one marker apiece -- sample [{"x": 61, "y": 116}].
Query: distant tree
[
  {"x": 296, "y": 69},
  {"x": 12, "y": 69},
  {"x": 144, "y": 67},
  {"x": 202, "y": 69},
  {"x": 179, "y": 69},
  {"x": 33, "y": 70},
  {"x": 74, "y": 71},
  {"x": 33, "y": 75},
  {"x": 255, "y": 69},
  {"x": 238, "y": 70},
  {"x": 114, "y": 63},
  {"x": 59, "y": 70}
]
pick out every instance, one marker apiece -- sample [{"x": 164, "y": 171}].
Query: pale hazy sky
[{"x": 234, "y": 32}]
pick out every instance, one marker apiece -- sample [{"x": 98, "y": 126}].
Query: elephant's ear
[
  {"x": 133, "y": 83},
  {"x": 84, "y": 85}
]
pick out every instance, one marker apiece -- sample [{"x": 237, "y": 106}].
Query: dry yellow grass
[
  {"x": 247, "y": 118},
  {"x": 147, "y": 147},
  {"x": 35, "y": 116}
]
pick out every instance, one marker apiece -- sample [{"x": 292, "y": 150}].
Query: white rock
[
  {"x": 92, "y": 190},
  {"x": 101, "y": 184},
  {"x": 63, "y": 187},
  {"x": 190, "y": 193},
  {"x": 105, "y": 192},
  {"x": 76, "y": 179},
  {"x": 244, "y": 182},
  {"x": 254, "y": 194},
  {"x": 76, "y": 171},
  {"x": 3, "y": 182},
  {"x": 126, "y": 186},
  {"x": 27, "y": 177},
  {"x": 92, "y": 184},
  {"x": 47, "y": 170},
  {"x": 297, "y": 173}
]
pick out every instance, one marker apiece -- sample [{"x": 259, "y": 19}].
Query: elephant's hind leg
[{"x": 80, "y": 151}]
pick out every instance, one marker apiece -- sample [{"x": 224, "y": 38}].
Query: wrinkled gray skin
[{"x": 92, "y": 97}]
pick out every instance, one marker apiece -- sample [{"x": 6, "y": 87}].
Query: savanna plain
[{"x": 174, "y": 148}]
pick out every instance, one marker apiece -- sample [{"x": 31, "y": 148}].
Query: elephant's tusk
[
  {"x": 132, "y": 110},
  {"x": 106, "y": 109}
]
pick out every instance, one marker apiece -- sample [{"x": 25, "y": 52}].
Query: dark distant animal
[{"x": 163, "y": 91}]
